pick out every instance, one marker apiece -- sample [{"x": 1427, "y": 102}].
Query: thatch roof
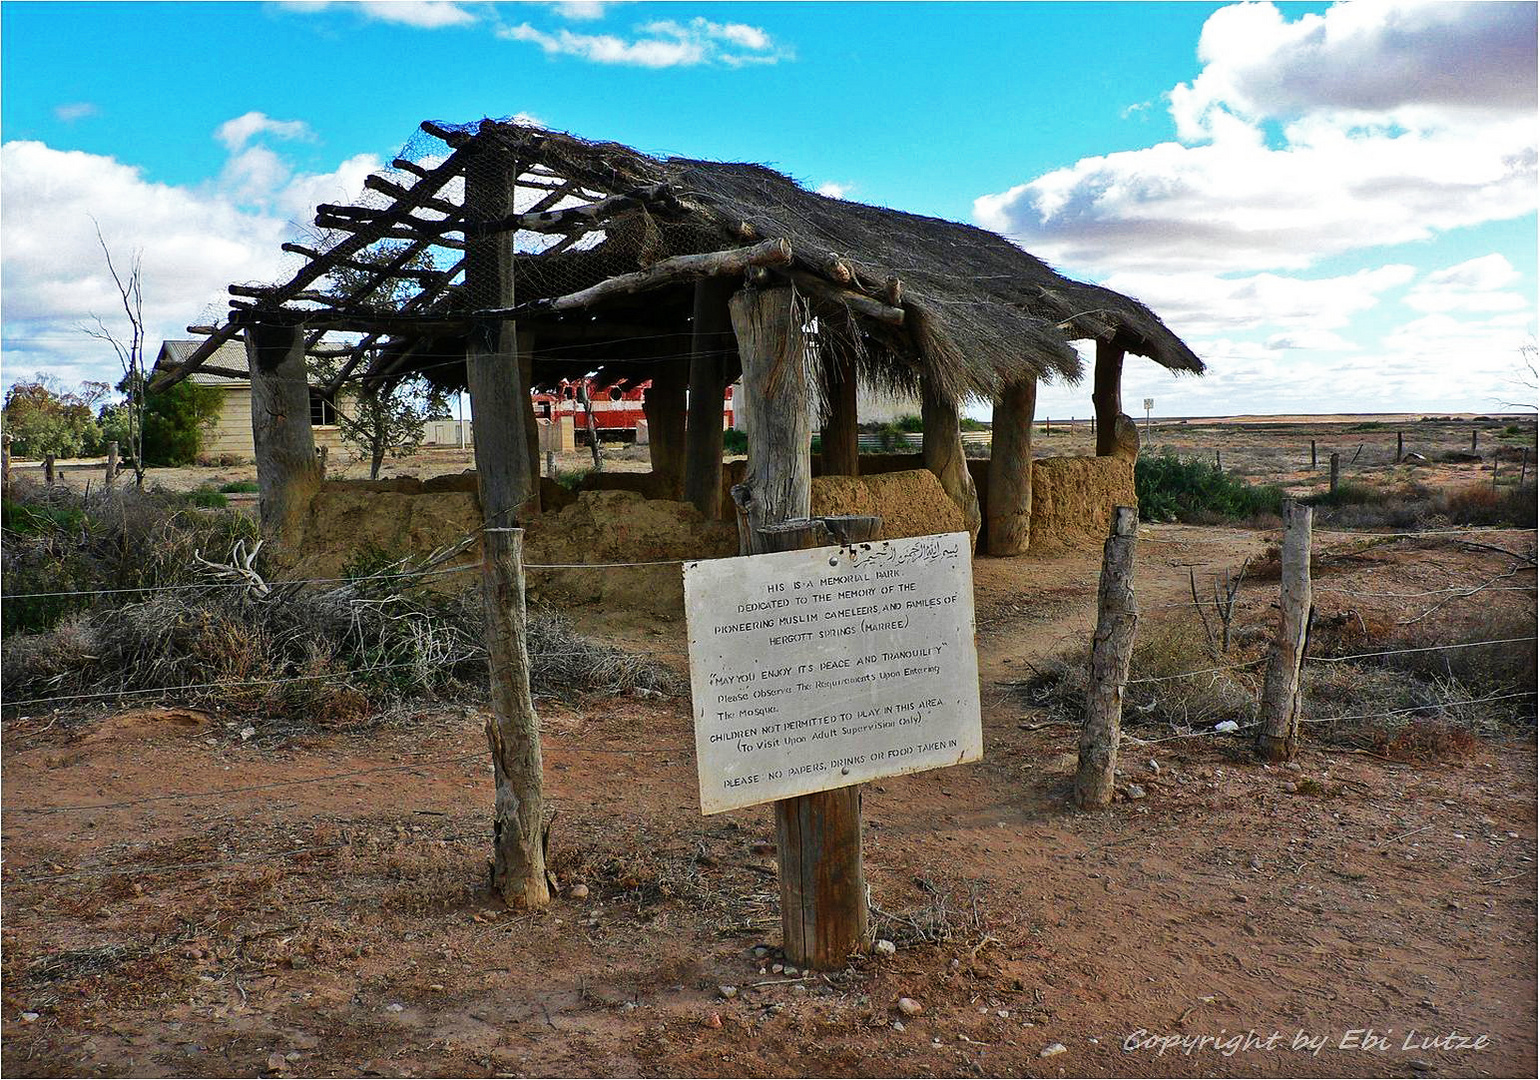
[{"x": 910, "y": 299}]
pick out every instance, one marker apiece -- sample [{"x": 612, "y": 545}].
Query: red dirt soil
[{"x": 182, "y": 902}]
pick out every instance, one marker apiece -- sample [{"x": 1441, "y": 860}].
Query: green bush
[
  {"x": 174, "y": 422},
  {"x": 1349, "y": 493},
  {"x": 243, "y": 487},
  {"x": 1170, "y": 489},
  {"x": 909, "y": 423},
  {"x": 207, "y": 498},
  {"x": 735, "y": 441}
]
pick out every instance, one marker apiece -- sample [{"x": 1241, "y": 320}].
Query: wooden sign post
[{"x": 818, "y": 800}]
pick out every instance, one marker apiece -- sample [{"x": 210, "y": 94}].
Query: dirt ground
[{"x": 184, "y": 896}]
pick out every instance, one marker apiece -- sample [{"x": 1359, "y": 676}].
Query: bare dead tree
[
  {"x": 130, "y": 352},
  {"x": 1527, "y": 379}
]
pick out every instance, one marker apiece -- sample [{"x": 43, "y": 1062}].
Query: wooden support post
[
  {"x": 943, "y": 455},
  {"x": 1278, "y": 737},
  {"x": 1107, "y": 396},
  {"x": 526, "y": 344},
  {"x": 504, "y": 479},
  {"x": 1218, "y": 462},
  {"x": 1496, "y": 466},
  {"x": 1334, "y": 463},
  {"x": 48, "y": 460},
  {"x": 5, "y": 464},
  {"x": 840, "y": 438},
  {"x": 1117, "y": 617},
  {"x": 823, "y": 885},
  {"x": 1473, "y": 440},
  {"x": 112, "y": 460},
  {"x": 1312, "y": 453},
  {"x": 710, "y": 344},
  {"x": 663, "y": 403},
  {"x": 550, "y": 464},
  {"x": 1524, "y": 466},
  {"x": 288, "y": 471},
  {"x": 1010, "y": 470},
  {"x": 1400, "y": 445}
]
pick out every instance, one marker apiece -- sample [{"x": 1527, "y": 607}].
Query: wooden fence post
[
  {"x": 1524, "y": 467},
  {"x": 1312, "y": 454},
  {"x": 1335, "y": 464},
  {"x": 1400, "y": 445},
  {"x": 1111, "y": 648},
  {"x": 1496, "y": 463},
  {"x": 1473, "y": 440},
  {"x": 550, "y": 464},
  {"x": 5, "y": 464},
  {"x": 112, "y": 463},
  {"x": 48, "y": 460},
  {"x": 823, "y": 882},
  {"x": 1218, "y": 462},
  {"x": 1278, "y": 737},
  {"x": 505, "y": 482}
]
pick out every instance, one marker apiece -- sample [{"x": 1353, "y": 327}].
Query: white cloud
[
  {"x": 834, "y": 190},
  {"x": 661, "y": 44},
  {"x": 195, "y": 241},
  {"x": 1294, "y": 309},
  {"x": 74, "y": 110},
  {"x": 1451, "y": 145},
  {"x": 242, "y": 129},
  {"x": 1383, "y": 59},
  {"x": 1476, "y": 285},
  {"x": 580, "y": 10},
  {"x": 423, "y": 14}
]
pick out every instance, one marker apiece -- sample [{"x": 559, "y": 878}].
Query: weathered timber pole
[
  {"x": 1334, "y": 463},
  {"x": 1278, "y": 737},
  {"x": 711, "y": 341},
  {"x": 1524, "y": 466},
  {"x": 1400, "y": 445},
  {"x": 1107, "y": 396},
  {"x": 1312, "y": 453},
  {"x": 663, "y": 403},
  {"x": 1117, "y": 617},
  {"x": 112, "y": 460},
  {"x": 823, "y": 884},
  {"x": 943, "y": 455},
  {"x": 526, "y": 347},
  {"x": 5, "y": 464},
  {"x": 1010, "y": 470},
  {"x": 839, "y": 441},
  {"x": 504, "y": 479},
  {"x": 288, "y": 471},
  {"x": 1219, "y": 464},
  {"x": 48, "y": 460},
  {"x": 1473, "y": 440}
]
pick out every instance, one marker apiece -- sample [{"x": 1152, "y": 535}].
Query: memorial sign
[{"x": 831, "y": 666}]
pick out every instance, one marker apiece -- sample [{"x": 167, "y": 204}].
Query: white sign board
[
  {"x": 817, "y": 669},
  {"x": 1149, "y": 403}
]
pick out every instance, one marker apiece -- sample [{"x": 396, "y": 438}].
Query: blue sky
[{"x": 1335, "y": 206}]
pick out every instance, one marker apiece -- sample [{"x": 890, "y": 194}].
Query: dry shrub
[
  {"x": 1430, "y": 740},
  {"x": 953, "y": 913},
  {"x": 564, "y": 662},
  {"x": 1160, "y": 689}
]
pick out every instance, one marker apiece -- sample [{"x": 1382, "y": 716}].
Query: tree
[
  {"x": 386, "y": 417},
  {"x": 130, "y": 352},
  {"x": 174, "y": 420},
  {"x": 42, "y": 417}
]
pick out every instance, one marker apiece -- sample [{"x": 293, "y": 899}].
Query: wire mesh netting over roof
[{"x": 596, "y": 240}]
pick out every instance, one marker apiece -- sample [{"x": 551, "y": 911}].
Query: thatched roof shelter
[{"x": 606, "y": 246}]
